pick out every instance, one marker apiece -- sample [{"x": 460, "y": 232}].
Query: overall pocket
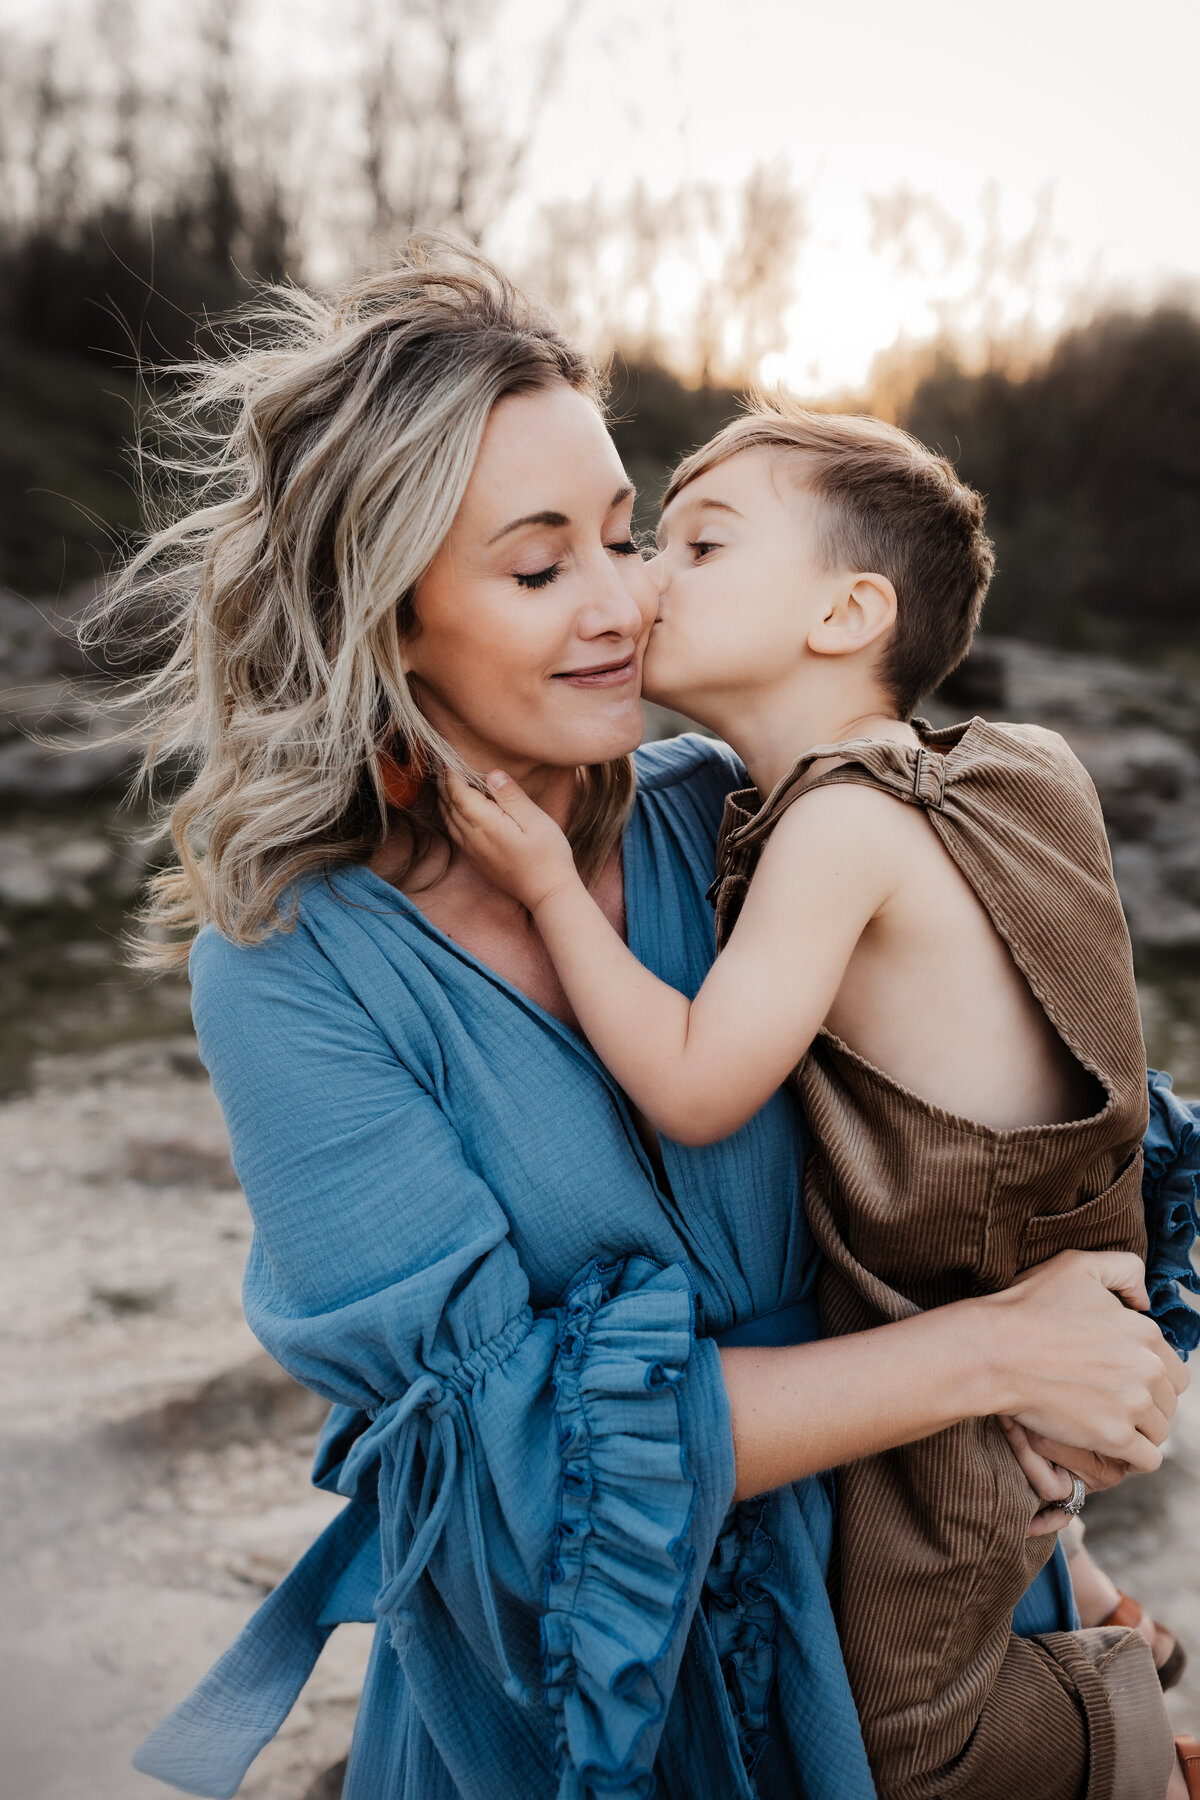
[{"x": 1113, "y": 1219}]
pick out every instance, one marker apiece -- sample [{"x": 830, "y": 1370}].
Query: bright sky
[
  {"x": 1094, "y": 100},
  {"x": 1085, "y": 105}
]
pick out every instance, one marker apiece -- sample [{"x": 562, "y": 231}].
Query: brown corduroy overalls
[{"x": 914, "y": 1207}]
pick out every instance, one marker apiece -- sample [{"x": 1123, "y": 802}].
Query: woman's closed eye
[{"x": 538, "y": 578}]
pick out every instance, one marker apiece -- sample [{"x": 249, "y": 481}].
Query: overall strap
[{"x": 909, "y": 772}]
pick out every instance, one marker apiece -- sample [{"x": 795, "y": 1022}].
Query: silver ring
[{"x": 1074, "y": 1506}]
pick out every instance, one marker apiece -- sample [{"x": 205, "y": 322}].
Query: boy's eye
[
  {"x": 701, "y": 547},
  {"x": 540, "y": 578}
]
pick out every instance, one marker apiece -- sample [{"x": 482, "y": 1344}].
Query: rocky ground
[{"x": 153, "y": 1462}]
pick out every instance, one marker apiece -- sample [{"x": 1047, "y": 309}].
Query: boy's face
[{"x": 740, "y": 583}]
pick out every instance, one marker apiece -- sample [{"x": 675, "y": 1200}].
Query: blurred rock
[
  {"x": 981, "y": 681},
  {"x": 25, "y": 879},
  {"x": 126, "y": 1300},
  {"x": 329, "y": 1783},
  {"x": 50, "y": 863},
  {"x": 38, "y": 638},
  {"x": 1136, "y": 730},
  {"x": 49, "y": 749},
  {"x": 1159, "y": 920},
  {"x": 178, "y": 1159},
  {"x": 243, "y": 1405}
]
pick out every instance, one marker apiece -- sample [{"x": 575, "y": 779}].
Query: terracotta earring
[{"x": 401, "y": 783}]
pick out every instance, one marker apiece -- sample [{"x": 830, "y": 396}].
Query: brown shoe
[
  {"x": 1188, "y": 1752},
  {"x": 1132, "y": 1613}
]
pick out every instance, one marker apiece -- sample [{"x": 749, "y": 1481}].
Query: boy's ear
[{"x": 862, "y": 612}]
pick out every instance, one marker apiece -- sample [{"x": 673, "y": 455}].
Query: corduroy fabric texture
[{"x": 915, "y": 1207}]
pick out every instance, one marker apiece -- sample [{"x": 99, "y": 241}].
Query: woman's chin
[{"x": 615, "y": 730}]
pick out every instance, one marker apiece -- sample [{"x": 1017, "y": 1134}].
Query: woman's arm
[
  {"x": 550, "y": 1480},
  {"x": 1059, "y": 1351}
]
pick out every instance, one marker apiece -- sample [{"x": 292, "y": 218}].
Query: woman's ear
[{"x": 862, "y": 612}]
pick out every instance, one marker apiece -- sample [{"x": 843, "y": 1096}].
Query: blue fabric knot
[{"x": 1171, "y": 1190}]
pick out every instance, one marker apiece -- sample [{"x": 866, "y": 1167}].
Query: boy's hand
[
  {"x": 508, "y": 837},
  {"x": 1048, "y": 1468}
]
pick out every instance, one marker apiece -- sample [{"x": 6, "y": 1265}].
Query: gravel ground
[{"x": 154, "y": 1462}]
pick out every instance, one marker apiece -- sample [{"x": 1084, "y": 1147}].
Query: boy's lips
[{"x": 610, "y": 674}]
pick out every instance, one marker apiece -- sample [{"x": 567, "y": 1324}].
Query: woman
[{"x": 595, "y": 1537}]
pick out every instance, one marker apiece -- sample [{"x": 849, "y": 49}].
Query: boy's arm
[{"x": 697, "y": 1070}]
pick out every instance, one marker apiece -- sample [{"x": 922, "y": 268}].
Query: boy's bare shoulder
[{"x": 847, "y": 814}]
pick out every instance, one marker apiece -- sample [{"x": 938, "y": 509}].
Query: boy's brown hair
[{"x": 890, "y": 507}]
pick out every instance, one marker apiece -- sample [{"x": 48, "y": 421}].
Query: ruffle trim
[
  {"x": 743, "y": 1620},
  {"x": 1171, "y": 1191},
  {"x": 617, "y": 1584}
]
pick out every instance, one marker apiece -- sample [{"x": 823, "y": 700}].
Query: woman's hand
[
  {"x": 508, "y": 837},
  {"x": 1076, "y": 1365},
  {"x": 1048, "y": 1467}
]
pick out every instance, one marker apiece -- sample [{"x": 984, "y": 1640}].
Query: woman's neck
[{"x": 555, "y": 790}]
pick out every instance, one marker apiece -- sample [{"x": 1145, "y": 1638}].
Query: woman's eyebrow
[
  {"x": 539, "y": 518},
  {"x": 555, "y": 519}
]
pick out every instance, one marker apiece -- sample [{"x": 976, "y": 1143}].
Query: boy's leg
[
  {"x": 953, "y": 1706},
  {"x": 1072, "y": 1716}
]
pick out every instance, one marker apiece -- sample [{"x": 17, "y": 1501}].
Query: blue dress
[{"x": 461, "y": 1243}]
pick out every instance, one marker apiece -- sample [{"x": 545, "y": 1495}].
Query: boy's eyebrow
[
  {"x": 555, "y": 519},
  {"x": 705, "y": 505}
]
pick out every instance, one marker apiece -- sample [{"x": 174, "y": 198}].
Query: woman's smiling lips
[{"x": 601, "y": 674}]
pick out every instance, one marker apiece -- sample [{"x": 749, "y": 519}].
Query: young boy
[{"x": 922, "y": 928}]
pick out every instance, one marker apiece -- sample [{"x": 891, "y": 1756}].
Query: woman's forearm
[
  {"x": 1058, "y": 1351},
  {"x": 807, "y": 1407}
]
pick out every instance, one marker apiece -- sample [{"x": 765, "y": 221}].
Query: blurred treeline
[{"x": 151, "y": 173}]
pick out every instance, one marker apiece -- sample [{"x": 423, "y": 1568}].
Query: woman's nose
[{"x": 621, "y": 605}]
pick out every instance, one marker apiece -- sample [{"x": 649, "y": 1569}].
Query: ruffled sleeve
[
  {"x": 550, "y": 1483},
  {"x": 624, "y": 1561},
  {"x": 1171, "y": 1189}
]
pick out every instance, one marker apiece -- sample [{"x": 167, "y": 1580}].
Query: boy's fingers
[
  {"x": 466, "y": 800},
  {"x": 510, "y": 795},
  {"x": 461, "y": 795}
]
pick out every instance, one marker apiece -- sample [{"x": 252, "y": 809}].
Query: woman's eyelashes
[{"x": 540, "y": 578}]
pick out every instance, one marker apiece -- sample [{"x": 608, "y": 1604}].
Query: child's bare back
[{"x": 931, "y": 993}]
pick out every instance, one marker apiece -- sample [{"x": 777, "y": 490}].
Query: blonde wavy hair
[{"x": 318, "y": 464}]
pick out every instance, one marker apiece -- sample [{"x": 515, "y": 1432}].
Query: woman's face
[{"x": 533, "y": 617}]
